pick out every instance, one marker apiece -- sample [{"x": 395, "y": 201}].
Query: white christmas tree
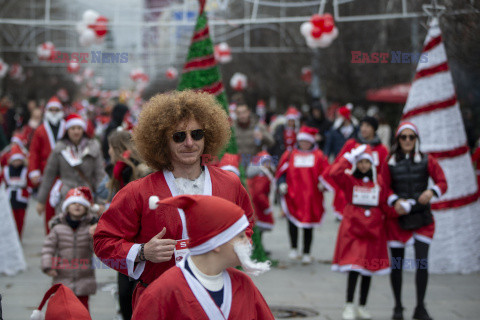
[{"x": 432, "y": 106}]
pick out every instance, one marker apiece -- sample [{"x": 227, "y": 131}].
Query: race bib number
[
  {"x": 364, "y": 196},
  {"x": 304, "y": 161},
  {"x": 181, "y": 250}
]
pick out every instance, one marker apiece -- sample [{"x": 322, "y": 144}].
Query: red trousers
[
  {"x": 19, "y": 215},
  {"x": 49, "y": 213},
  {"x": 84, "y": 301}
]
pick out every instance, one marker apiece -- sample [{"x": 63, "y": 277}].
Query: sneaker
[
  {"x": 349, "y": 312},
  {"x": 363, "y": 314},
  {"x": 293, "y": 255},
  {"x": 421, "y": 314},
  {"x": 397, "y": 313},
  {"x": 307, "y": 259}
]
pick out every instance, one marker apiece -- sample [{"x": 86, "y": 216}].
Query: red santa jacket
[
  {"x": 170, "y": 297},
  {"x": 42, "y": 144},
  {"x": 129, "y": 220}
]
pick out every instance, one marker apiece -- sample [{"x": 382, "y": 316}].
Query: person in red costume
[
  {"x": 43, "y": 142},
  {"x": 361, "y": 247},
  {"x": 205, "y": 284},
  {"x": 298, "y": 183},
  {"x": 406, "y": 174},
  {"x": 174, "y": 131}
]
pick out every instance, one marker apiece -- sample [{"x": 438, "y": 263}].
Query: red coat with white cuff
[
  {"x": 396, "y": 236},
  {"x": 361, "y": 241}
]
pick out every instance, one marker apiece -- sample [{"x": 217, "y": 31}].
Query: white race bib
[
  {"x": 304, "y": 161},
  {"x": 181, "y": 250},
  {"x": 366, "y": 196}
]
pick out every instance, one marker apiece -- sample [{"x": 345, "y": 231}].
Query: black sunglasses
[
  {"x": 196, "y": 135},
  {"x": 410, "y": 137}
]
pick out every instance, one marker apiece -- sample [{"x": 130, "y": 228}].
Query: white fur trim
[
  {"x": 54, "y": 104},
  {"x": 297, "y": 223},
  {"x": 391, "y": 199},
  {"x": 399, "y": 244},
  {"x": 133, "y": 272},
  {"x": 34, "y": 174},
  {"x": 359, "y": 269},
  {"x": 231, "y": 168},
  {"x": 306, "y": 137},
  {"x": 75, "y": 199},
  {"x": 364, "y": 156},
  {"x": 437, "y": 190},
  {"x": 264, "y": 225},
  {"x": 221, "y": 238},
  {"x": 406, "y": 126},
  {"x": 17, "y": 156},
  {"x": 37, "y": 315},
  {"x": 422, "y": 238},
  {"x": 76, "y": 122}
]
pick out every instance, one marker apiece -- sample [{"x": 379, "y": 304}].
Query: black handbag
[{"x": 418, "y": 217}]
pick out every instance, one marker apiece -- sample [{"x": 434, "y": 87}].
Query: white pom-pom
[
  {"x": 37, "y": 315},
  {"x": 153, "y": 202},
  {"x": 95, "y": 208}
]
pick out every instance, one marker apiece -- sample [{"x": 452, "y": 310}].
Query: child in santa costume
[
  {"x": 260, "y": 174},
  {"x": 361, "y": 242},
  {"x": 301, "y": 192},
  {"x": 17, "y": 184},
  {"x": 64, "y": 305},
  {"x": 68, "y": 249},
  {"x": 205, "y": 285}
]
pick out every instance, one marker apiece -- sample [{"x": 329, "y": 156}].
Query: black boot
[
  {"x": 421, "y": 313},
  {"x": 397, "y": 313}
]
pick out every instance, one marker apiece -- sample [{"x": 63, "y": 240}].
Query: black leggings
[
  {"x": 125, "y": 293},
  {"x": 364, "y": 287},
  {"x": 421, "y": 277},
  {"x": 307, "y": 237}
]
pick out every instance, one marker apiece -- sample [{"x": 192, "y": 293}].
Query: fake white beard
[
  {"x": 54, "y": 118},
  {"x": 251, "y": 267}
]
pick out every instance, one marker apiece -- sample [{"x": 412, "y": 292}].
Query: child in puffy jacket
[{"x": 68, "y": 249}]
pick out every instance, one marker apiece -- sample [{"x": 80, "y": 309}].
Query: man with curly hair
[{"x": 175, "y": 132}]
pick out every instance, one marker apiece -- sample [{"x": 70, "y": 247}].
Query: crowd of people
[{"x": 144, "y": 193}]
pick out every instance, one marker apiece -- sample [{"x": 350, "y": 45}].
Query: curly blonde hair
[{"x": 161, "y": 115}]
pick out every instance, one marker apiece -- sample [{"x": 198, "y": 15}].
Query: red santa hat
[
  {"x": 54, "y": 102},
  {"x": 75, "y": 120},
  {"x": 292, "y": 113},
  {"x": 307, "y": 134},
  {"x": 406, "y": 125},
  {"x": 346, "y": 111},
  {"x": 16, "y": 153},
  {"x": 80, "y": 195},
  {"x": 262, "y": 158},
  {"x": 230, "y": 162},
  {"x": 367, "y": 154},
  {"x": 64, "y": 305},
  {"x": 211, "y": 221},
  {"x": 19, "y": 139}
]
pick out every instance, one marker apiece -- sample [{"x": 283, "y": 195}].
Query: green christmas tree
[{"x": 201, "y": 72}]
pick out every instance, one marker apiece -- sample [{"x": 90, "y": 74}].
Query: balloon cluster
[
  {"x": 3, "y": 68},
  {"x": 222, "y": 53},
  {"x": 238, "y": 81},
  {"x": 92, "y": 29},
  {"x": 320, "y": 31},
  {"x": 171, "y": 73},
  {"x": 45, "y": 50},
  {"x": 138, "y": 75}
]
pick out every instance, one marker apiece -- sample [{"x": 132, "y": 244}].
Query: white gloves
[
  {"x": 407, "y": 204},
  {"x": 354, "y": 153},
  {"x": 283, "y": 189}
]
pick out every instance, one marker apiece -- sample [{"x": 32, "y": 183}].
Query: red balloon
[
  {"x": 316, "y": 32},
  {"x": 317, "y": 20},
  {"x": 328, "y": 23},
  {"x": 100, "y": 26}
]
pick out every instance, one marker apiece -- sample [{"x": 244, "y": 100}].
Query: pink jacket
[{"x": 70, "y": 253}]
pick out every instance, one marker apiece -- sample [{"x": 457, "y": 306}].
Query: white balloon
[
  {"x": 99, "y": 40},
  {"x": 80, "y": 27},
  {"x": 90, "y": 16},
  {"x": 334, "y": 33},
  {"x": 87, "y": 38},
  {"x": 306, "y": 29}
]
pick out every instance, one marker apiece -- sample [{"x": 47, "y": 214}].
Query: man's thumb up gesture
[{"x": 159, "y": 249}]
